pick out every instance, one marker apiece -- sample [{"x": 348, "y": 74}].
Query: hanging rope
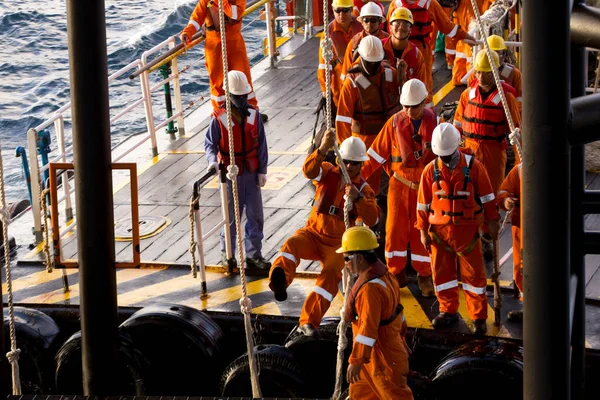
[
  {"x": 192, "y": 248},
  {"x": 13, "y": 354},
  {"x": 44, "y": 207},
  {"x": 245, "y": 302}
]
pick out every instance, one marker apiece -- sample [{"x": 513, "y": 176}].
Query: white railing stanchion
[
  {"x": 59, "y": 129},
  {"x": 271, "y": 38},
  {"x": 35, "y": 185},
  {"x": 308, "y": 21},
  {"x": 177, "y": 93},
  {"x": 145, "y": 82}
]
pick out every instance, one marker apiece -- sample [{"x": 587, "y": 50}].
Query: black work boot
[
  {"x": 444, "y": 320},
  {"x": 426, "y": 285},
  {"x": 264, "y": 117},
  {"x": 309, "y": 330},
  {"x": 402, "y": 279},
  {"x": 259, "y": 263},
  {"x": 479, "y": 326},
  {"x": 278, "y": 284}
]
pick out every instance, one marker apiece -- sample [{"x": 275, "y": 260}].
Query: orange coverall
[
  {"x": 491, "y": 153},
  {"x": 444, "y": 24},
  {"x": 455, "y": 238},
  {"x": 348, "y": 59},
  {"x": 319, "y": 240},
  {"x": 381, "y": 350},
  {"x": 416, "y": 71},
  {"x": 511, "y": 187},
  {"x": 402, "y": 200},
  {"x": 237, "y": 57},
  {"x": 336, "y": 72}
]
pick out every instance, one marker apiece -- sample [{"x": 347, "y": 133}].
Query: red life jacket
[
  {"x": 339, "y": 41},
  {"x": 460, "y": 204},
  {"x": 423, "y": 22},
  {"x": 377, "y": 102},
  {"x": 414, "y": 146},
  {"x": 485, "y": 119},
  {"x": 410, "y": 56},
  {"x": 245, "y": 140},
  {"x": 327, "y": 192}
]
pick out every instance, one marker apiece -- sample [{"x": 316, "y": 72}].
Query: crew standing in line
[
  {"x": 455, "y": 198},
  {"x": 251, "y": 157}
]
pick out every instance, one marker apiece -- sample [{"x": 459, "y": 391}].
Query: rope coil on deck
[
  {"x": 245, "y": 302},
  {"x": 13, "y": 354}
]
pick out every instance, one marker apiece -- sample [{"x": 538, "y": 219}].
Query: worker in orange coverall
[
  {"x": 403, "y": 148},
  {"x": 509, "y": 199},
  {"x": 455, "y": 198},
  {"x": 207, "y": 13},
  {"x": 370, "y": 17},
  {"x": 370, "y": 95},
  {"x": 425, "y": 13},
  {"x": 321, "y": 236},
  {"x": 378, "y": 365},
  {"x": 341, "y": 30}
]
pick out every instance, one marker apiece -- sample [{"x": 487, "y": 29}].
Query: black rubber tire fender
[{"x": 280, "y": 374}]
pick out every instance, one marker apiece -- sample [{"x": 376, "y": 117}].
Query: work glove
[
  {"x": 213, "y": 165},
  {"x": 262, "y": 180},
  {"x": 322, "y": 104}
]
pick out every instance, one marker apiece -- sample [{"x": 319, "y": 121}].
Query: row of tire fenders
[{"x": 177, "y": 350}]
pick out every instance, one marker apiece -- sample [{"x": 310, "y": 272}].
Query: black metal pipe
[
  {"x": 591, "y": 202},
  {"x": 585, "y": 26},
  {"x": 545, "y": 196},
  {"x": 585, "y": 117},
  {"x": 93, "y": 192},
  {"x": 577, "y": 256}
]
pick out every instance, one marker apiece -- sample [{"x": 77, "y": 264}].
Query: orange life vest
[
  {"x": 245, "y": 140},
  {"x": 414, "y": 146},
  {"x": 377, "y": 102},
  {"x": 212, "y": 18},
  {"x": 339, "y": 41},
  {"x": 327, "y": 192},
  {"x": 459, "y": 204},
  {"x": 410, "y": 57},
  {"x": 422, "y": 27},
  {"x": 485, "y": 119}
]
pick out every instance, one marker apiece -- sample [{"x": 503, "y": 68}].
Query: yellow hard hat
[
  {"x": 342, "y": 4},
  {"x": 358, "y": 238},
  {"x": 482, "y": 63},
  {"x": 496, "y": 42},
  {"x": 402, "y": 13}
]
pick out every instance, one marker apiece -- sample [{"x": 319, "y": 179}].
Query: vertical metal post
[
  {"x": 165, "y": 72},
  {"x": 36, "y": 190},
  {"x": 4, "y": 381},
  {"x": 577, "y": 257},
  {"x": 59, "y": 128},
  {"x": 145, "y": 82},
  {"x": 271, "y": 38},
  {"x": 308, "y": 19},
  {"x": 545, "y": 196},
  {"x": 86, "y": 27},
  {"x": 177, "y": 94}
]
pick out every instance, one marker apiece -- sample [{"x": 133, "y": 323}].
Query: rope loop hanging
[
  {"x": 245, "y": 303},
  {"x": 13, "y": 354},
  {"x": 193, "y": 243}
]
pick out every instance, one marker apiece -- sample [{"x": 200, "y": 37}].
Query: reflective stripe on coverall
[
  {"x": 381, "y": 350},
  {"x": 249, "y": 193},
  {"x": 340, "y": 40},
  {"x": 319, "y": 240},
  {"x": 510, "y": 75},
  {"x": 402, "y": 199},
  {"x": 511, "y": 187},
  {"x": 459, "y": 238},
  {"x": 487, "y": 116},
  {"x": 237, "y": 57}
]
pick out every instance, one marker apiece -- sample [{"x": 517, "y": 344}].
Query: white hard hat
[
  {"x": 353, "y": 149},
  {"x": 413, "y": 92},
  {"x": 370, "y": 10},
  {"x": 238, "y": 83},
  {"x": 370, "y": 49},
  {"x": 445, "y": 139}
]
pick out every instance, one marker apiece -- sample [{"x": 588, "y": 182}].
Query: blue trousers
[{"x": 250, "y": 199}]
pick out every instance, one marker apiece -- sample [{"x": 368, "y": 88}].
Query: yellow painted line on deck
[
  {"x": 37, "y": 278},
  {"x": 267, "y": 309},
  {"x": 492, "y": 330},
  {"x": 413, "y": 312},
  {"x": 58, "y": 295},
  {"x": 443, "y": 92},
  {"x": 163, "y": 288},
  {"x": 223, "y": 296},
  {"x": 140, "y": 171},
  {"x": 39, "y": 248}
]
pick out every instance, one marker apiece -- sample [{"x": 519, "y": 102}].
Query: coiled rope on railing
[
  {"x": 245, "y": 302},
  {"x": 13, "y": 354}
]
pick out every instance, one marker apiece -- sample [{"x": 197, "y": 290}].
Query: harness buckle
[
  {"x": 418, "y": 154},
  {"x": 333, "y": 210}
]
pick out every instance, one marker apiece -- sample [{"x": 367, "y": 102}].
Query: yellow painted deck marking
[
  {"x": 38, "y": 249},
  {"x": 37, "y": 278},
  {"x": 443, "y": 92},
  {"x": 267, "y": 309},
  {"x": 56, "y": 296},
  {"x": 227, "y": 295},
  {"x": 492, "y": 330},
  {"x": 278, "y": 178},
  {"x": 163, "y": 288},
  {"x": 413, "y": 312},
  {"x": 278, "y": 42}
]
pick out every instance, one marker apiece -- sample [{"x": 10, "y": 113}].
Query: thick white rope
[
  {"x": 245, "y": 302},
  {"x": 192, "y": 248},
  {"x": 13, "y": 354}
]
